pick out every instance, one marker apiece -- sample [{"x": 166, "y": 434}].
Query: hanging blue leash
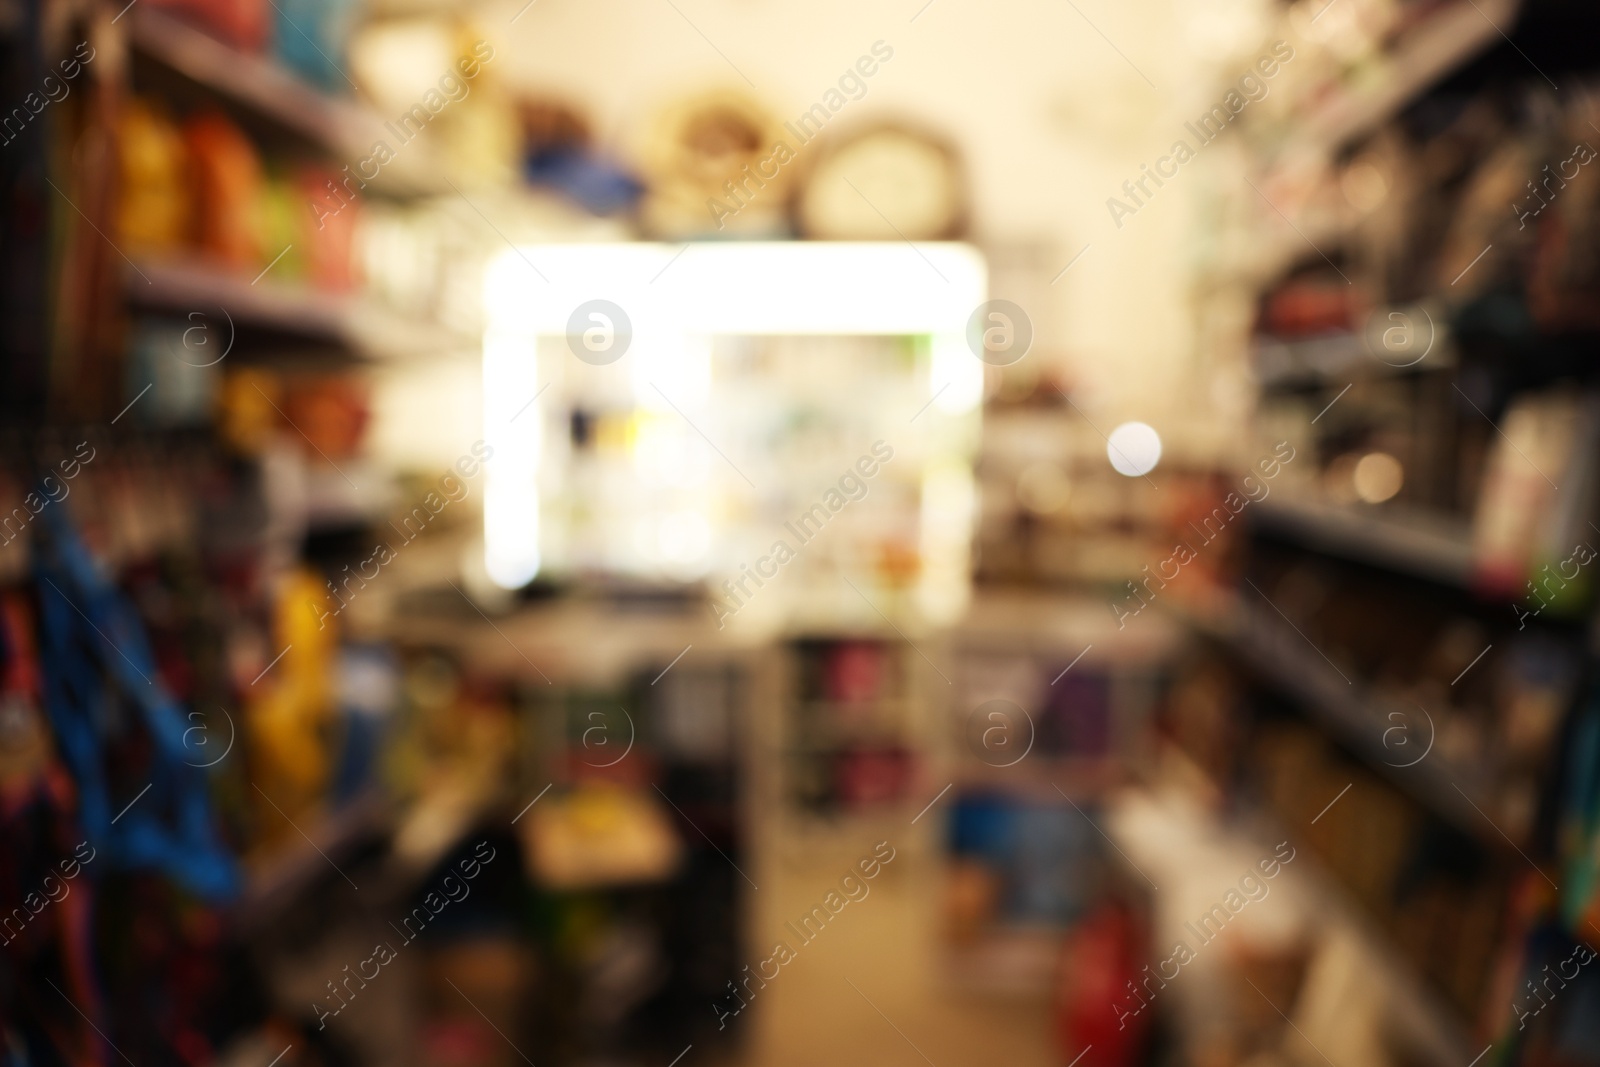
[{"x": 92, "y": 642}]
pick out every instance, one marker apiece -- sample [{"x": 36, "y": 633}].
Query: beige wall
[{"x": 1050, "y": 119}]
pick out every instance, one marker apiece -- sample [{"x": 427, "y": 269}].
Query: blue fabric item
[
  {"x": 91, "y": 638},
  {"x": 601, "y": 187}
]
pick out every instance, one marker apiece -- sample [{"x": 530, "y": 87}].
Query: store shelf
[
  {"x": 1332, "y": 359},
  {"x": 1352, "y": 714},
  {"x": 1411, "y": 542},
  {"x": 182, "y": 286},
  {"x": 194, "y": 286},
  {"x": 355, "y": 493},
  {"x": 413, "y": 840},
  {"x": 249, "y": 80},
  {"x": 1309, "y": 360},
  {"x": 1423, "y": 56},
  {"x": 1178, "y": 842},
  {"x": 341, "y": 127},
  {"x": 1042, "y": 778},
  {"x": 276, "y": 881},
  {"x": 830, "y": 738}
]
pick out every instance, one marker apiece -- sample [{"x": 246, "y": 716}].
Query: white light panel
[{"x": 676, "y": 297}]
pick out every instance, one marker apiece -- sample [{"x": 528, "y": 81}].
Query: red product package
[{"x": 329, "y": 228}]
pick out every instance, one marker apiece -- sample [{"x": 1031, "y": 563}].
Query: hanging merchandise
[
  {"x": 26, "y": 756},
  {"x": 96, "y": 654},
  {"x": 47, "y": 852},
  {"x": 369, "y": 685}
]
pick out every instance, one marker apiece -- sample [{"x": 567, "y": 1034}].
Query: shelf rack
[
  {"x": 344, "y": 128},
  {"x": 1420, "y": 58},
  {"x": 276, "y": 880},
  {"x": 1167, "y": 830},
  {"x": 1353, "y": 715},
  {"x": 1411, "y": 541},
  {"x": 251, "y": 81},
  {"x": 183, "y": 286},
  {"x": 1423, "y": 55},
  {"x": 1329, "y": 359}
]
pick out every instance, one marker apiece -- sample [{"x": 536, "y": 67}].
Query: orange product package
[
  {"x": 331, "y": 412},
  {"x": 230, "y": 190}
]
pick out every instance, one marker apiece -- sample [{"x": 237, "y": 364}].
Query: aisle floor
[{"x": 872, "y": 988}]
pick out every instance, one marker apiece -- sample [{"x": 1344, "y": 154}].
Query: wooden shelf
[
  {"x": 182, "y": 286},
  {"x": 1409, "y": 542}
]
